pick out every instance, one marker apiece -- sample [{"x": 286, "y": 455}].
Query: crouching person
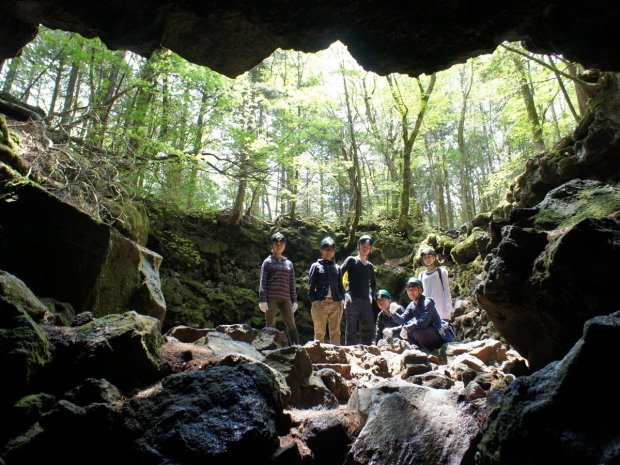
[
  {"x": 420, "y": 321},
  {"x": 387, "y": 307}
]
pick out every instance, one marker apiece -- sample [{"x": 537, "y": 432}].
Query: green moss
[
  {"x": 466, "y": 251},
  {"x": 33, "y": 405},
  {"x": 9, "y": 150},
  {"x": 131, "y": 219},
  {"x": 232, "y": 304},
  {"x": 588, "y": 203},
  {"x": 182, "y": 248},
  {"x": 465, "y": 277},
  {"x": 441, "y": 243}
]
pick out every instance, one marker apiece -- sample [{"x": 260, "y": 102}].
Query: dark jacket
[
  {"x": 386, "y": 321},
  {"x": 324, "y": 275},
  {"x": 422, "y": 322}
]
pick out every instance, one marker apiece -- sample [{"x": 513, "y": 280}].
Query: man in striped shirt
[{"x": 277, "y": 288}]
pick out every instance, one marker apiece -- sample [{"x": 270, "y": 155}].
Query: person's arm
[
  {"x": 262, "y": 287},
  {"x": 446, "y": 291},
  {"x": 341, "y": 290},
  {"x": 344, "y": 269},
  {"x": 292, "y": 284},
  {"x": 373, "y": 281},
  {"x": 379, "y": 328},
  {"x": 312, "y": 274},
  {"x": 426, "y": 311},
  {"x": 346, "y": 265},
  {"x": 406, "y": 316}
]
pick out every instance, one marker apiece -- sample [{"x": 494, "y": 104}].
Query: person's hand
[
  {"x": 295, "y": 304},
  {"x": 387, "y": 332},
  {"x": 403, "y": 333},
  {"x": 263, "y": 306},
  {"x": 394, "y": 308},
  {"x": 347, "y": 298}
]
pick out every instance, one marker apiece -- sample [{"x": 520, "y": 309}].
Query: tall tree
[
  {"x": 467, "y": 199},
  {"x": 409, "y": 133},
  {"x": 350, "y": 154}
]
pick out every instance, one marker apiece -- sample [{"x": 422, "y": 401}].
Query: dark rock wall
[{"x": 233, "y": 37}]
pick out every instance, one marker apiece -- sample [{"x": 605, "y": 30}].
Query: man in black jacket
[
  {"x": 361, "y": 285},
  {"x": 326, "y": 293}
]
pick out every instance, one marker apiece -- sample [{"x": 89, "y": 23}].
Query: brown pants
[
  {"x": 327, "y": 313},
  {"x": 286, "y": 308}
]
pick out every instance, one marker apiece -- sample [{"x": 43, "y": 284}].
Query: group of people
[{"x": 350, "y": 289}]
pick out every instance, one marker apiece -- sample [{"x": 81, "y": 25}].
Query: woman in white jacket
[{"x": 436, "y": 285}]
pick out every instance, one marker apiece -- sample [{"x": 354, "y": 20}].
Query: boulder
[
  {"x": 543, "y": 418},
  {"x": 63, "y": 253}
]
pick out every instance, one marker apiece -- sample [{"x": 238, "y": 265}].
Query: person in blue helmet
[
  {"x": 359, "y": 317},
  {"x": 420, "y": 321},
  {"x": 277, "y": 288}
]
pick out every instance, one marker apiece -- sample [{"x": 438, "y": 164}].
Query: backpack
[{"x": 446, "y": 331}]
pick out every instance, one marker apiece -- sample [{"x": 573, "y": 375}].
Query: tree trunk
[
  {"x": 237, "y": 209},
  {"x": 409, "y": 139},
  {"x": 467, "y": 207},
  {"x": 580, "y": 90},
  {"x": 528, "y": 98},
  {"x": 56, "y": 90},
  {"x": 11, "y": 74},
  {"x": 69, "y": 96},
  {"x": 564, "y": 92},
  {"x": 355, "y": 204}
]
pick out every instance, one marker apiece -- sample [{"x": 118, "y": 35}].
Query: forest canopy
[{"x": 310, "y": 135}]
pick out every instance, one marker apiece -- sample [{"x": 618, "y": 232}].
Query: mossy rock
[
  {"x": 9, "y": 150},
  {"x": 392, "y": 278},
  {"x": 572, "y": 202},
  {"x": 466, "y": 251},
  {"x": 131, "y": 219},
  {"x": 24, "y": 350},
  {"x": 231, "y": 304},
  {"x": 441, "y": 243},
  {"x": 464, "y": 280}
]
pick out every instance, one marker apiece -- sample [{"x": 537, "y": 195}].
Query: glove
[
  {"x": 394, "y": 308},
  {"x": 387, "y": 332},
  {"x": 295, "y": 307},
  {"x": 347, "y": 298},
  {"x": 263, "y": 306},
  {"x": 403, "y": 333}
]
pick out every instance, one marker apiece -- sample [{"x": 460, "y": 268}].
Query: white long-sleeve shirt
[{"x": 440, "y": 294}]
